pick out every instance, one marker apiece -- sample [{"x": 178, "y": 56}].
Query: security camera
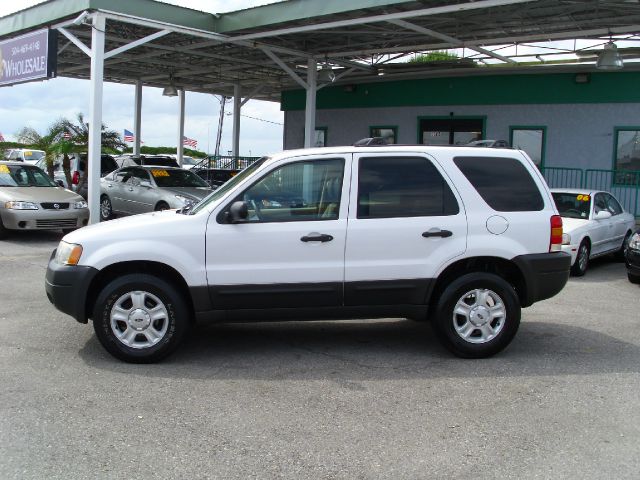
[{"x": 82, "y": 18}]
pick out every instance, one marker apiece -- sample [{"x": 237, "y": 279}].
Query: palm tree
[
  {"x": 46, "y": 142},
  {"x": 79, "y": 131}
]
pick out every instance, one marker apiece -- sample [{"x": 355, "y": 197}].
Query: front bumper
[
  {"x": 545, "y": 274},
  {"x": 67, "y": 287},
  {"x": 633, "y": 262},
  {"x": 44, "y": 219}
]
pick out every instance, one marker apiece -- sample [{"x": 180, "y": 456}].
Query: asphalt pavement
[{"x": 321, "y": 400}]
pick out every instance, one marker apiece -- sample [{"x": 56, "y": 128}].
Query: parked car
[
  {"x": 489, "y": 143},
  {"x": 216, "y": 177},
  {"x": 24, "y": 155},
  {"x": 30, "y": 200},
  {"x": 632, "y": 255},
  {"x": 187, "y": 162},
  {"x": 144, "y": 160},
  {"x": 133, "y": 190},
  {"x": 595, "y": 224},
  {"x": 77, "y": 167},
  {"x": 461, "y": 236}
]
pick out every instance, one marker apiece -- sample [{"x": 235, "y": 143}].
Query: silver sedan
[{"x": 141, "y": 189}]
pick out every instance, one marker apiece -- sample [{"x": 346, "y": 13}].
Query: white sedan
[{"x": 594, "y": 224}]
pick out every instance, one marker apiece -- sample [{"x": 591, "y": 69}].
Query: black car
[{"x": 632, "y": 256}]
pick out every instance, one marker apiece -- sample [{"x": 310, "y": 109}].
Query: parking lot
[{"x": 346, "y": 400}]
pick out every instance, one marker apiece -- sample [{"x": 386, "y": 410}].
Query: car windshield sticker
[
  {"x": 159, "y": 173},
  {"x": 584, "y": 198},
  {"x": 28, "y": 153},
  {"x": 4, "y": 169}
]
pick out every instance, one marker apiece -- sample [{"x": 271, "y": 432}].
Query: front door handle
[
  {"x": 437, "y": 233},
  {"x": 317, "y": 238}
]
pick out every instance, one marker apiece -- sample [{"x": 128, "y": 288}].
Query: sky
[{"x": 39, "y": 104}]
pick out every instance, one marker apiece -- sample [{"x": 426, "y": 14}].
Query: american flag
[
  {"x": 2, "y": 138},
  {"x": 128, "y": 136},
  {"x": 189, "y": 142},
  {"x": 66, "y": 135}
]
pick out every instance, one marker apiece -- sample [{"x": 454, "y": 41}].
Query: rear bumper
[
  {"x": 545, "y": 274},
  {"x": 67, "y": 287}
]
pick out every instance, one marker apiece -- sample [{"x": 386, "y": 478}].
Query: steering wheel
[{"x": 574, "y": 210}]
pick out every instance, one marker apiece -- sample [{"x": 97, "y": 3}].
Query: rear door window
[
  {"x": 402, "y": 187},
  {"x": 504, "y": 183}
]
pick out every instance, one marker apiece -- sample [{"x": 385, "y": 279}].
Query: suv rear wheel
[
  {"x": 477, "y": 315},
  {"x": 140, "y": 318}
]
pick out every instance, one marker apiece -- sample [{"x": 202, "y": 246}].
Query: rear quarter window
[{"x": 504, "y": 183}]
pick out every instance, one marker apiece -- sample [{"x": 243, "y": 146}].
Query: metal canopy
[{"x": 267, "y": 49}]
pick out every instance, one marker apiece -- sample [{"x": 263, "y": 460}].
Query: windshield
[
  {"x": 572, "y": 205},
  {"x": 24, "y": 176},
  {"x": 230, "y": 184},
  {"x": 160, "y": 161},
  {"x": 176, "y": 178},
  {"x": 33, "y": 155}
]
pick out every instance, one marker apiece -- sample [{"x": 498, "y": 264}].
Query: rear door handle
[
  {"x": 317, "y": 238},
  {"x": 437, "y": 233}
]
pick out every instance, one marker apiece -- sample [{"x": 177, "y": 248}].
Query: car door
[
  {"x": 405, "y": 223},
  {"x": 602, "y": 231},
  {"x": 137, "y": 194},
  {"x": 290, "y": 250},
  {"x": 618, "y": 221},
  {"x": 115, "y": 188}
]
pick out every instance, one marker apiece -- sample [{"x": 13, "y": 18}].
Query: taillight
[
  {"x": 555, "y": 241},
  {"x": 76, "y": 177}
]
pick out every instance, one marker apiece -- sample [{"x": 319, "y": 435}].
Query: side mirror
[
  {"x": 145, "y": 183},
  {"x": 238, "y": 212},
  {"x": 602, "y": 215}
]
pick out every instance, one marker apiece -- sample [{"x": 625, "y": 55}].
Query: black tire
[
  {"x": 106, "y": 209},
  {"x": 620, "y": 254},
  {"x": 580, "y": 266},
  {"x": 499, "y": 295},
  {"x": 161, "y": 206},
  {"x": 633, "y": 278},
  {"x": 155, "y": 292}
]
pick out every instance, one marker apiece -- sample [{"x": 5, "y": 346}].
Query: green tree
[
  {"x": 46, "y": 142},
  {"x": 79, "y": 142}
]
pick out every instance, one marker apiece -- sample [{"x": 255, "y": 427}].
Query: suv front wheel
[
  {"x": 477, "y": 315},
  {"x": 140, "y": 318}
]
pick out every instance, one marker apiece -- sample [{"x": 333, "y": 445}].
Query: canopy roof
[{"x": 265, "y": 48}]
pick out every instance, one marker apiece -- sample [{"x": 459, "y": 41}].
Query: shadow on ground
[{"x": 374, "y": 350}]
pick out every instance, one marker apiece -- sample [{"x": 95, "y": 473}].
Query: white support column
[
  {"x": 181, "y": 127},
  {"x": 237, "y": 104},
  {"x": 137, "y": 118},
  {"x": 310, "y": 109},
  {"x": 95, "y": 116}
]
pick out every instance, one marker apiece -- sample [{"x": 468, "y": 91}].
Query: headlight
[
  {"x": 68, "y": 253},
  {"x": 17, "y": 205},
  {"x": 186, "y": 200},
  {"x": 566, "y": 239},
  {"x": 634, "y": 241},
  {"x": 80, "y": 204}
]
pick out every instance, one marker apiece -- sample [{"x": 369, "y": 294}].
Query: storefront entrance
[{"x": 450, "y": 130}]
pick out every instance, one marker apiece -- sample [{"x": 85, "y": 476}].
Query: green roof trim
[
  {"x": 54, "y": 11},
  {"x": 292, "y": 10},
  {"x": 615, "y": 87}
]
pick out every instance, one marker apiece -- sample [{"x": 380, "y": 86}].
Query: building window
[
  {"x": 627, "y": 148},
  {"x": 530, "y": 139},
  {"x": 390, "y": 134}
]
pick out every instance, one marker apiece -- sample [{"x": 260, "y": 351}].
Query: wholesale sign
[{"x": 29, "y": 57}]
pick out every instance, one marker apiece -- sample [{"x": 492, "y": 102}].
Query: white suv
[{"x": 463, "y": 236}]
